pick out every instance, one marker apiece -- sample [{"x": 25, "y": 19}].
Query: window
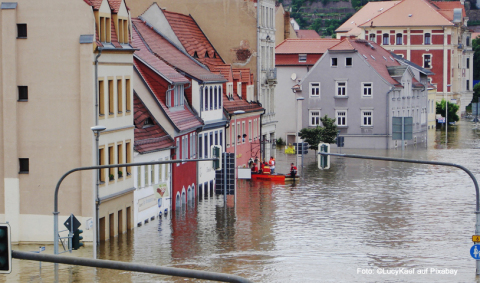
[
  {"x": 243, "y": 132},
  {"x": 101, "y": 99},
  {"x": 205, "y": 146},
  {"x": 468, "y": 63},
  {"x": 215, "y": 98},
  {"x": 22, "y": 93},
  {"x": 205, "y": 96},
  {"x": 152, "y": 174},
  {"x": 160, "y": 172},
  {"x": 175, "y": 96},
  {"x": 128, "y": 96},
  {"x": 221, "y": 138},
  {"x": 24, "y": 165},
  {"x": 302, "y": 57},
  {"x": 228, "y": 134},
  {"x": 119, "y": 97},
  {"x": 128, "y": 154},
  {"x": 211, "y": 98},
  {"x": 148, "y": 122},
  {"x": 341, "y": 88},
  {"x": 334, "y": 62},
  {"x": 468, "y": 84},
  {"x": 120, "y": 160},
  {"x": 111, "y": 161},
  {"x": 373, "y": 37},
  {"x": 238, "y": 133},
  {"x": 315, "y": 89},
  {"x": 385, "y": 39},
  {"x": 145, "y": 171},
  {"x": 101, "y": 161},
  {"x": 314, "y": 118},
  {"x": 399, "y": 39},
  {"x": 427, "y": 39},
  {"x": 467, "y": 41},
  {"x": 200, "y": 145},
  {"x": 367, "y": 118},
  {"x": 250, "y": 130},
  {"x": 216, "y": 138},
  {"x": 111, "y": 106},
  {"x": 341, "y": 117},
  {"x": 21, "y": 30},
  {"x": 367, "y": 89},
  {"x": 348, "y": 61},
  {"x": 239, "y": 92},
  {"x": 211, "y": 143},
  {"x": 427, "y": 61}
]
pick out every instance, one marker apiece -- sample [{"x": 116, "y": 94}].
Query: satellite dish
[{"x": 294, "y": 76}]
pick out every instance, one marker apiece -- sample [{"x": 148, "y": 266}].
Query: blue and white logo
[{"x": 475, "y": 252}]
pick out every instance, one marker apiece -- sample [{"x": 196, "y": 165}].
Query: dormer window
[
  {"x": 148, "y": 122},
  {"x": 175, "y": 96},
  {"x": 195, "y": 55},
  {"x": 122, "y": 31},
  {"x": 206, "y": 55},
  {"x": 302, "y": 57},
  {"x": 373, "y": 37},
  {"x": 105, "y": 29}
]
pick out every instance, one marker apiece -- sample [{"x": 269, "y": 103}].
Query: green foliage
[
  {"x": 326, "y": 134},
  {"x": 280, "y": 141},
  {"x": 476, "y": 58},
  {"x": 452, "y": 111}
]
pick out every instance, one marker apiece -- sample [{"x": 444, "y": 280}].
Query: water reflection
[{"x": 357, "y": 214}]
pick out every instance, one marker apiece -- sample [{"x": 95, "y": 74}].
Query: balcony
[{"x": 272, "y": 76}]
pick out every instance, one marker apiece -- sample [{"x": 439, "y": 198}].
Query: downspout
[
  {"x": 388, "y": 116},
  {"x": 97, "y": 197}
]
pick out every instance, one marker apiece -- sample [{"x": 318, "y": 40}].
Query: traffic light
[
  {"x": 5, "y": 249},
  {"x": 324, "y": 160},
  {"x": 216, "y": 153},
  {"x": 76, "y": 244}
]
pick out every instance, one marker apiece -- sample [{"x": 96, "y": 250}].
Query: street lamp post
[
  {"x": 296, "y": 129},
  {"x": 446, "y": 117},
  {"x": 96, "y": 232},
  {"x": 238, "y": 112}
]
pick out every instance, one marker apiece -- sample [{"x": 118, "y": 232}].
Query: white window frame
[
  {"x": 338, "y": 114},
  {"x": 429, "y": 38},
  {"x": 431, "y": 61},
  {"x": 374, "y": 37},
  {"x": 331, "y": 62},
  {"x": 311, "y": 117},
  {"x": 239, "y": 89},
  {"x": 302, "y": 58},
  {"x": 250, "y": 130},
  {"x": 337, "y": 88},
  {"x": 312, "y": 88},
  {"x": 364, "y": 115},
  {"x": 365, "y": 87},
  {"x": 351, "y": 62},
  {"x": 229, "y": 89}
]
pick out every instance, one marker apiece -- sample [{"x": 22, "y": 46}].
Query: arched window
[
  {"x": 399, "y": 39},
  {"x": 211, "y": 98},
  {"x": 385, "y": 39},
  {"x": 216, "y": 98}
]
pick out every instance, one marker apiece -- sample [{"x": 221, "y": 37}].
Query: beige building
[{"x": 48, "y": 97}]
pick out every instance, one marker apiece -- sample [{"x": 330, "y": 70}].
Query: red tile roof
[
  {"x": 172, "y": 55},
  {"x": 449, "y": 6},
  {"x": 305, "y": 46},
  {"x": 307, "y": 33},
  {"x": 373, "y": 54},
  {"x": 192, "y": 38},
  {"x": 237, "y": 103},
  {"x": 154, "y": 62},
  {"x": 410, "y": 13},
  {"x": 183, "y": 119},
  {"x": 149, "y": 138},
  {"x": 115, "y": 5}
]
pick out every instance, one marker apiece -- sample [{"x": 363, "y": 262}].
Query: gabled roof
[
  {"x": 184, "y": 119},
  {"x": 410, "y": 13},
  {"x": 307, "y": 33},
  {"x": 148, "y": 138},
  {"x": 147, "y": 58},
  {"x": 369, "y": 11},
  {"x": 171, "y": 55},
  {"x": 305, "y": 46},
  {"x": 373, "y": 54},
  {"x": 192, "y": 38}
]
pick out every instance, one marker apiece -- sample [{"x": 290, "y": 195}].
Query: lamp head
[{"x": 98, "y": 128}]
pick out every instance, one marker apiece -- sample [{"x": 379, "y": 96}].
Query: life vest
[{"x": 266, "y": 170}]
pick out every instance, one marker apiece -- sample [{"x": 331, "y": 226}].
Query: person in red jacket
[{"x": 293, "y": 170}]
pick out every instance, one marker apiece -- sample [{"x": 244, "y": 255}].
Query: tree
[
  {"x": 476, "y": 58},
  {"x": 452, "y": 111},
  {"x": 313, "y": 136}
]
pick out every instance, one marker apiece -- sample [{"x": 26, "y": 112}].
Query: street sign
[
  {"x": 42, "y": 249},
  {"x": 475, "y": 252},
  {"x": 72, "y": 223},
  {"x": 476, "y": 238},
  {"x": 402, "y": 124},
  {"x": 340, "y": 141},
  {"x": 441, "y": 120}
]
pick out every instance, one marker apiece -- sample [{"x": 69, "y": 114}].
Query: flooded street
[{"x": 336, "y": 225}]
